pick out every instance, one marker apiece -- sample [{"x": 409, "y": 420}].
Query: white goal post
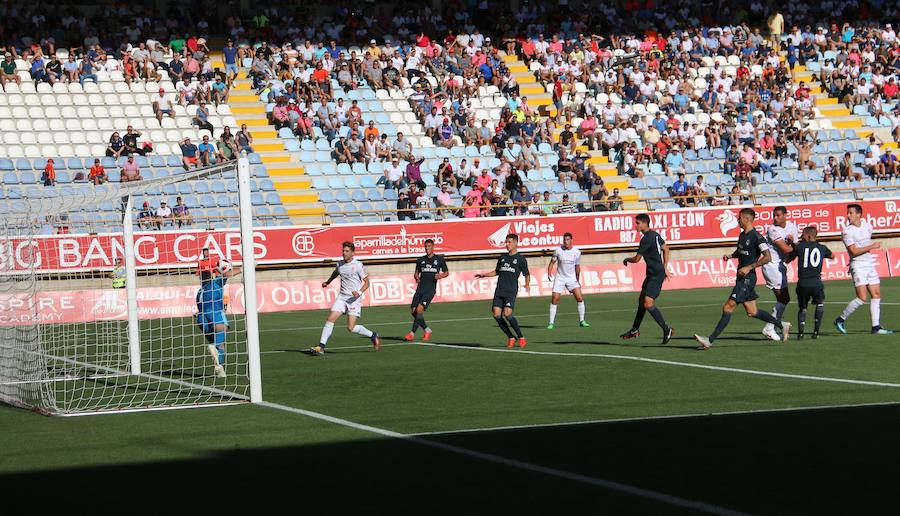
[{"x": 94, "y": 320}]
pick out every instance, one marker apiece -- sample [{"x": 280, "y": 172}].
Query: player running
[
  {"x": 429, "y": 269},
  {"x": 211, "y": 316},
  {"x": 565, "y": 271},
  {"x": 781, "y": 237},
  {"x": 752, "y": 252},
  {"x": 354, "y": 282},
  {"x": 508, "y": 269},
  {"x": 655, "y": 251},
  {"x": 811, "y": 255},
  {"x": 858, "y": 239}
]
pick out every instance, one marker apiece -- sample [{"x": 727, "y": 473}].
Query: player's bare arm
[
  {"x": 486, "y": 274},
  {"x": 365, "y": 287},
  {"x": 634, "y": 259},
  {"x": 764, "y": 259},
  {"x": 331, "y": 278},
  {"x": 854, "y": 250},
  {"x": 551, "y": 268},
  {"x": 665, "y": 257}
]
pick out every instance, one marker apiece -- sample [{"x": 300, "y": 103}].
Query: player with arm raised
[
  {"x": 508, "y": 269},
  {"x": 429, "y": 269},
  {"x": 810, "y": 255},
  {"x": 211, "y": 316},
  {"x": 655, "y": 251},
  {"x": 565, "y": 272},
  {"x": 752, "y": 252},
  {"x": 858, "y": 239},
  {"x": 781, "y": 237},
  {"x": 354, "y": 283}
]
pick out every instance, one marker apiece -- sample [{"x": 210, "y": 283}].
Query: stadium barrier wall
[
  {"x": 393, "y": 289},
  {"x": 461, "y": 237}
]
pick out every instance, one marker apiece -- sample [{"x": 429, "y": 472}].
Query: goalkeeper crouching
[{"x": 211, "y": 316}]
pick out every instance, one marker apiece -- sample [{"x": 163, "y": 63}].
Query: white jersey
[
  {"x": 860, "y": 236},
  {"x": 352, "y": 275},
  {"x": 566, "y": 260},
  {"x": 776, "y": 233}
]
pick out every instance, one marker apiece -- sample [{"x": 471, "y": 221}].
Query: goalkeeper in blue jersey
[{"x": 211, "y": 316}]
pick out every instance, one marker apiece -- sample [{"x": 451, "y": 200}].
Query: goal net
[{"x": 112, "y": 301}]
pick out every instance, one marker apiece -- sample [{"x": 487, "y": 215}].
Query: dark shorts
[
  {"x": 745, "y": 289},
  {"x": 504, "y": 301},
  {"x": 652, "y": 286},
  {"x": 422, "y": 298},
  {"x": 816, "y": 294}
]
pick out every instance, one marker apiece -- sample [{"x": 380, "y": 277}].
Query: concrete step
[
  {"x": 833, "y": 112},
  {"x": 847, "y": 123},
  {"x": 258, "y": 108},
  {"x": 266, "y": 147},
  {"x": 252, "y": 121},
  {"x": 297, "y": 197},
  {"x": 306, "y": 209},
  {"x": 531, "y": 90},
  {"x": 826, "y": 101},
  {"x": 262, "y": 134},
  {"x": 620, "y": 182},
  {"x": 541, "y": 99},
  {"x": 240, "y": 99},
  {"x": 510, "y": 58},
  {"x": 517, "y": 67},
  {"x": 288, "y": 184},
  {"x": 290, "y": 171},
  {"x": 280, "y": 157},
  {"x": 525, "y": 77}
]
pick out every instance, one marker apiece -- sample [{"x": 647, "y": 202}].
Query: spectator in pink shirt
[
  {"x": 280, "y": 115},
  {"x": 587, "y": 130},
  {"x": 484, "y": 180},
  {"x": 749, "y": 155}
]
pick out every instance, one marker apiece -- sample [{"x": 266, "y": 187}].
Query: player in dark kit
[
  {"x": 509, "y": 267},
  {"x": 429, "y": 269},
  {"x": 752, "y": 252},
  {"x": 655, "y": 252},
  {"x": 811, "y": 256}
]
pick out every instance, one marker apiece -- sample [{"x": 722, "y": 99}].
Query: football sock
[
  {"x": 875, "y": 310},
  {"x": 778, "y": 311},
  {"x": 581, "y": 311},
  {"x": 820, "y": 313},
  {"x": 552, "y": 313},
  {"x": 326, "y": 333},
  {"x": 723, "y": 322},
  {"x": 763, "y": 315},
  {"x": 415, "y": 324},
  {"x": 801, "y": 320},
  {"x": 420, "y": 320},
  {"x": 851, "y": 307},
  {"x": 658, "y": 317},
  {"x": 638, "y": 317},
  {"x": 503, "y": 326},
  {"x": 361, "y": 330},
  {"x": 515, "y": 325}
]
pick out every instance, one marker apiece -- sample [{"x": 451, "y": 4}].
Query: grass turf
[{"x": 771, "y": 462}]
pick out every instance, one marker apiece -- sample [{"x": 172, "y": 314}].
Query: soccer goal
[{"x": 107, "y": 305}]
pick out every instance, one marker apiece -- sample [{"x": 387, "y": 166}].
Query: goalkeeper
[{"x": 211, "y": 316}]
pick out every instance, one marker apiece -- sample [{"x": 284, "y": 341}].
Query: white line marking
[
  {"x": 669, "y": 362},
  {"x": 496, "y": 459},
  {"x": 655, "y": 418}
]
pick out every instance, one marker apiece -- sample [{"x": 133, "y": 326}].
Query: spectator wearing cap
[
  {"x": 201, "y": 118},
  {"x": 393, "y": 176},
  {"x": 163, "y": 104},
  {"x": 680, "y": 190},
  {"x": 131, "y": 171},
  {"x": 97, "y": 174},
  {"x": 207, "y": 152},
  {"x": 48, "y": 177},
  {"x": 244, "y": 140},
  {"x": 566, "y": 206},
  {"x": 355, "y": 148},
  {"x": 146, "y": 216},
  {"x": 443, "y": 201},
  {"x": 615, "y": 201},
  {"x": 163, "y": 216},
  {"x": 219, "y": 90},
  {"x": 130, "y": 141},
  {"x": 8, "y": 71}
]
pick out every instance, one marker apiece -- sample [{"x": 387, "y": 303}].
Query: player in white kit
[
  {"x": 781, "y": 236},
  {"x": 858, "y": 239},
  {"x": 566, "y": 264},
  {"x": 354, "y": 282}
]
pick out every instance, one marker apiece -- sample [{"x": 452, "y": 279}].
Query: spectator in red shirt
[
  {"x": 49, "y": 175},
  {"x": 97, "y": 173}
]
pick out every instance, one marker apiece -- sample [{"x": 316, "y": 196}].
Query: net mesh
[{"x": 64, "y": 317}]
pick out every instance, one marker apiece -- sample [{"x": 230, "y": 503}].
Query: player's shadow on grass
[{"x": 623, "y": 344}]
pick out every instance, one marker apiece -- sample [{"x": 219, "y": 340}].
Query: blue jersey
[{"x": 211, "y": 296}]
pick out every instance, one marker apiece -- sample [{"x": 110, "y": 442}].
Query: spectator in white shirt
[{"x": 163, "y": 215}]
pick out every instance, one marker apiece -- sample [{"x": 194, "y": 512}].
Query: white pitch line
[
  {"x": 669, "y": 362},
  {"x": 514, "y": 463},
  {"x": 656, "y": 418}
]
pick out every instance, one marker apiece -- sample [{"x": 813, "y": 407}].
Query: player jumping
[
  {"x": 858, "y": 239},
  {"x": 429, "y": 269},
  {"x": 655, "y": 251},
  {"x": 781, "y": 237},
  {"x": 354, "y": 282},
  {"x": 566, "y": 264},
  {"x": 509, "y": 267},
  {"x": 211, "y": 316},
  {"x": 811, "y": 255},
  {"x": 752, "y": 252}
]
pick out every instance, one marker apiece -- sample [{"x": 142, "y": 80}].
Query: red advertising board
[
  {"x": 396, "y": 240},
  {"x": 396, "y": 289}
]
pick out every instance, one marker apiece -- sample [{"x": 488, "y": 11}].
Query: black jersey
[
  {"x": 751, "y": 246},
  {"x": 509, "y": 268},
  {"x": 650, "y": 249},
  {"x": 428, "y": 268},
  {"x": 810, "y": 258}
]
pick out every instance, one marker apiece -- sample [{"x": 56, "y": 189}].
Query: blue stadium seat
[
  {"x": 174, "y": 161},
  {"x": 342, "y": 196},
  {"x": 201, "y": 187},
  {"x": 208, "y": 201},
  {"x": 285, "y": 132},
  {"x": 23, "y": 164},
  {"x": 351, "y": 182},
  {"x": 273, "y": 198},
  {"x": 10, "y": 178},
  {"x": 367, "y": 182},
  {"x": 358, "y": 196},
  {"x": 6, "y": 164},
  {"x": 326, "y": 196},
  {"x": 336, "y": 183},
  {"x": 320, "y": 183},
  {"x": 218, "y": 187},
  {"x": 254, "y": 159},
  {"x": 257, "y": 199},
  {"x": 267, "y": 185},
  {"x": 27, "y": 178}
]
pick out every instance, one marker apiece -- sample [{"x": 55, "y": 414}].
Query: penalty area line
[{"x": 515, "y": 463}]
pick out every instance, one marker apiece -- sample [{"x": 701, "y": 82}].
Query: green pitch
[{"x": 461, "y": 389}]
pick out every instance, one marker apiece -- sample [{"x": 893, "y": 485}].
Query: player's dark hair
[
  {"x": 348, "y": 245},
  {"x": 811, "y": 231},
  {"x": 205, "y": 276},
  {"x": 429, "y": 241},
  {"x": 855, "y": 207},
  {"x": 643, "y": 217},
  {"x": 748, "y": 211},
  {"x": 513, "y": 236},
  {"x": 779, "y": 209},
  {"x": 567, "y": 234}
]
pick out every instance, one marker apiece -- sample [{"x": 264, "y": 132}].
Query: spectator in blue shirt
[
  {"x": 674, "y": 161},
  {"x": 679, "y": 190},
  {"x": 230, "y": 56},
  {"x": 207, "y": 152}
]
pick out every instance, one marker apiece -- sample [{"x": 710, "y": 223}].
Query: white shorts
[
  {"x": 563, "y": 285},
  {"x": 864, "y": 276},
  {"x": 348, "y": 305},
  {"x": 775, "y": 275}
]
